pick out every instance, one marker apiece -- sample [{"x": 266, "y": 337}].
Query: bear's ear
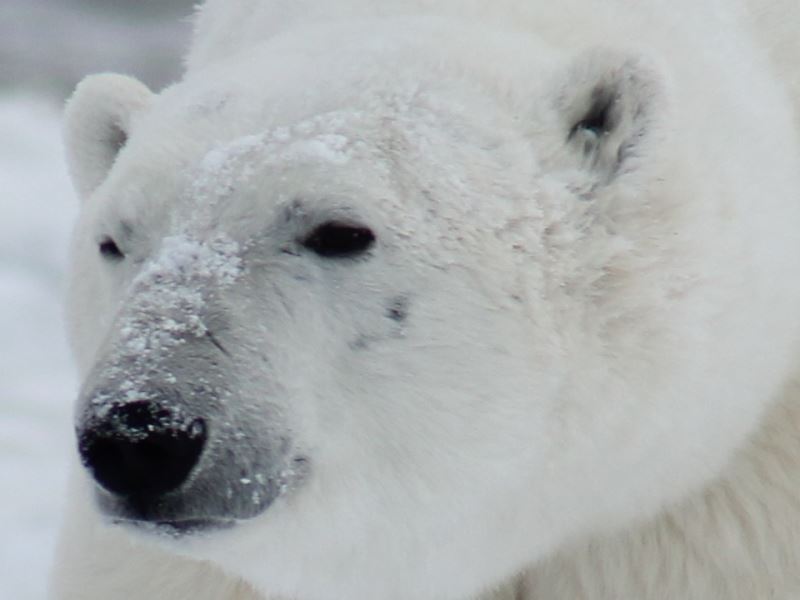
[
  {"x": 612, "y": 107},
  {"x": 97, "y": 123}
]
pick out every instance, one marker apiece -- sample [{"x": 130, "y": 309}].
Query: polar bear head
[{"x": 396, "y": 326}]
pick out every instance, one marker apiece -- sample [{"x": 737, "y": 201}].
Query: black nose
[{"x": 141, "y": 450}]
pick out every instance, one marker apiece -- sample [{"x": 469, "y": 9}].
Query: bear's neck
[{"x": 738, "y": 539}]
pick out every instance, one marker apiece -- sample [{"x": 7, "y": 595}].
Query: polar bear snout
[
  {"x": 176, "y": 457},
  {"x": 140, "y": 450}
]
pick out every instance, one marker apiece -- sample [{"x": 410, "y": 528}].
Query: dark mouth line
[{"x": 175, "y": 527}]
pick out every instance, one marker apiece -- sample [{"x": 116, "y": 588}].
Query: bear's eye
[
  {"x": 110, "y": 250},
  {"x": 339, "y": 240}
]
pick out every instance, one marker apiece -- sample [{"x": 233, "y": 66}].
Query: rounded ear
[
  {"x": 97, "y": 121},
  {"x": 612, "y": 108}
]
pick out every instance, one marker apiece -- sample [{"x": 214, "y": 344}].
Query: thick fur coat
[{"x": 442, "y": 300}]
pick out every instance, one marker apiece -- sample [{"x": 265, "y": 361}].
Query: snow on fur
[{"x": 477, "y": 300}]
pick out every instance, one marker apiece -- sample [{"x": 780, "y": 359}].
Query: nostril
[{"x": 138, "y": 450}]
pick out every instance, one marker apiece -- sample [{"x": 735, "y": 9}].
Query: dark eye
[
  {"x": 110, "y": 250},
  {"x": 338, "y": 240}
]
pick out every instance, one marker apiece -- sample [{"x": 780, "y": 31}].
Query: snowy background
[{"x": 46, "y": 46}]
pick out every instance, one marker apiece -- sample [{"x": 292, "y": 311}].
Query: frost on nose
[
  {"x": 164, "y": 429},
  {"x": 168, "y": 297},
  {"x": 166, "y": 308}
]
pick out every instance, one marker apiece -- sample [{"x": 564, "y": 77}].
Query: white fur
[
  {"x": 592, "y": 395},
  {"x": 98, "y": 118}
]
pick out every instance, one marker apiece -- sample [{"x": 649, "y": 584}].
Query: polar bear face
[{"x": 382, "y": 327}]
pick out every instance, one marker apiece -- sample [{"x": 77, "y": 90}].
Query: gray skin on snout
[{"x": 166, "y": 426}]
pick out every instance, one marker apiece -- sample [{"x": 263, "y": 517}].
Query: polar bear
[{"x": 441, "y": 300}]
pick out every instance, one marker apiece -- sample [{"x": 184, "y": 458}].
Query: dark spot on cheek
[
  {"x": 397, "y": 310},
  {"x": 126, "y": 228},
  {"x": 360, "y": 343}
]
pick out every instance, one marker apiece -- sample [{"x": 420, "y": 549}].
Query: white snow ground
[{"x": 37, "y": 383}]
